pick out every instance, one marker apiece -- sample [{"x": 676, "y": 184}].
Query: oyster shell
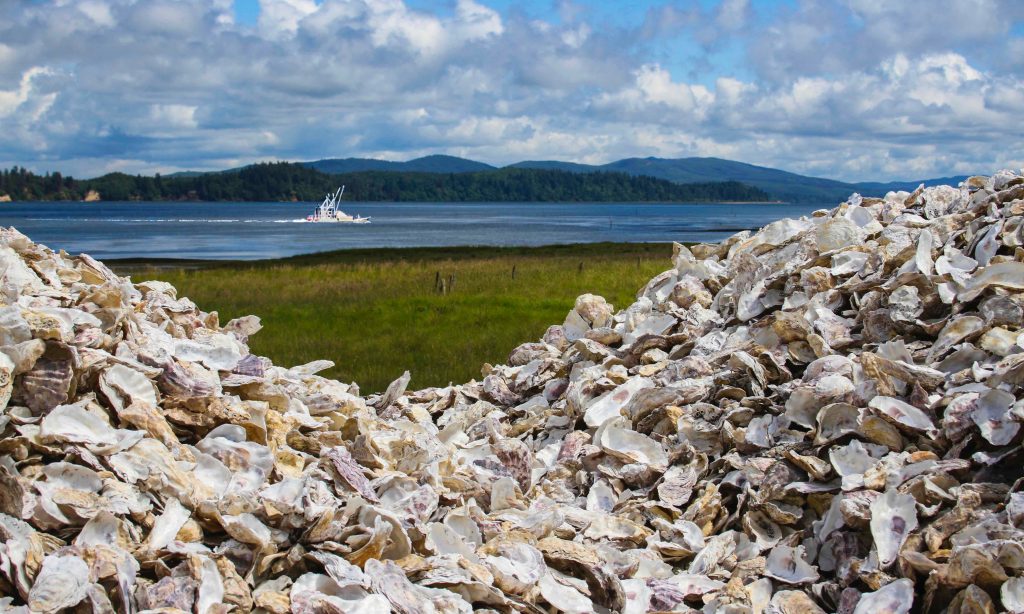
[
  {"x": 1012, "y": 594},
  {"x": 823, "y": 415},
  {"x": 893, "y": 518},
  {"x": 787, "y": 565},
  {"x": 62, "y": 582},
  {"x": 894, "y": 598}
]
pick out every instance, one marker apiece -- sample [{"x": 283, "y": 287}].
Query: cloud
[
  {"x": 13, "y": 100},
  {"x": 280, "y": 18},
  {"x": 174, "y": 115},
  {"x": 654, "y": 91},
  {"x": 860, "y": 89},
  {"x": 97, "y": 11},
  {"x": 820, "y": 37}
]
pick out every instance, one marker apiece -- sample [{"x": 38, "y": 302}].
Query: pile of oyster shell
[{"x": 823, "y": 415}]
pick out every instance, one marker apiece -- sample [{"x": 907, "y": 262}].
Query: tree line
[{"x": 286, "y": 181}]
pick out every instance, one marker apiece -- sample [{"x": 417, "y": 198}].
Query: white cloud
[
  {"x": 575, "y": 38},
  {"x": 174, "y": 115},
  {"x": 23, "y": 99},
  {"x": 732, "y": 14},
  {"x": 280, "y": 18},
  {"x": 857, "y": 90},
  {"x": 477, "y": 21},
  {"x": 97, "y": 11},
  {"x": 168, "y": 17},
  {"x": 654, "y": 92},
  {"x": 6, "y": 55}
]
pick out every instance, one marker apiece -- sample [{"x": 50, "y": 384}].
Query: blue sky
[
  {"x": 247, "y": 11},
  {"x": 850, "y": 89}
]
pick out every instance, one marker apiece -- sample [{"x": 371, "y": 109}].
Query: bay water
[{"x": 251, "y": 231}]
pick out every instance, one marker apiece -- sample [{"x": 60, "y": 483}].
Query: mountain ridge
[
  {"x": 779, "y": 184},
  {"x": 436, "y": 163},
  {"x": 290, "y": 181}
]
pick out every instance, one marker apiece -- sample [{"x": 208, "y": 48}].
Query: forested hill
[{"x": 283, "y": 181}]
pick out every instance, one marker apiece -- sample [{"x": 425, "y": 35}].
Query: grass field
[{"x": 376, "y": 313}]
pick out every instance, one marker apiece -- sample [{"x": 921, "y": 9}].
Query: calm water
[{"x": 271, "y": 230}]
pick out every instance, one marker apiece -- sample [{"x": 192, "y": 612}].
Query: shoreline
[
  {"x": 399, "y": 254},
  {"x": 418, "y": 202}
]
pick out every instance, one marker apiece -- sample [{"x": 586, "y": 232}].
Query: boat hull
[
  {"x": 328, "y": 212},
  {"x": 330, "y": 221}
]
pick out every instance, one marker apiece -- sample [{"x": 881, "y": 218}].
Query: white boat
[{"x": 328, "y": 211}]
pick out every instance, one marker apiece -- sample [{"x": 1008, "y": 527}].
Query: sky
[{"x": 845, "y": 89}]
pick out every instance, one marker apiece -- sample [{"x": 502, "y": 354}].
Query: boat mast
[
  {"x": 328, "y": 209},
  {"x": 335, "y": 200}
]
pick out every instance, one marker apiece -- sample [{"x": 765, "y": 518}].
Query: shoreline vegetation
[
  {"x": 291, "y": 182},
  {"x": 439, "y": 312}
]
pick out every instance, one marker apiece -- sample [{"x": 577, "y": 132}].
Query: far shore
[{"x": 423, "y": 202}]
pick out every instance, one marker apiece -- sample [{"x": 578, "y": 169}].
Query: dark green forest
[{"x": 284, "y": 181}]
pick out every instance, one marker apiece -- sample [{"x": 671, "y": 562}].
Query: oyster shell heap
[{"x": 823, "y": 415}]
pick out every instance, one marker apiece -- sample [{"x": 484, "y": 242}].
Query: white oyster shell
[
  {"x": 74, "y": 424},
  {"x": 1003, "y": 274},
  {"x": 903, "y": 414},
  {"x": 631, "y": 446},
  {"x": 519, "y": 568},
  {"x": 836, "y": 234},
  {"x": 62, "y": 582},
  {"x": 993, "y": 417},
  {"x": 787, "y": 565},
  {"x": 611, "y": 404},
  {"x": 564, "y": 597},
  {"x": 897, "y": 597},
  {"x": 893, "y": 518},
  {"x": 1012, "y": 595}
]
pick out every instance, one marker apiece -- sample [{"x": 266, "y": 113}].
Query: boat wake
[{"x": 161, "y": 220}]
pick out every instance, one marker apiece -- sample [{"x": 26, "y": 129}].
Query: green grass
[{"x": 376, "y": 313}]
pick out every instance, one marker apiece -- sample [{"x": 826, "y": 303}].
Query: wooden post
[
  {"x": 581, "y": 268},
  {"x": 437, "y": 281},
  {"x": 513, "y": 271},
  {"x": 451, "y": 282}
]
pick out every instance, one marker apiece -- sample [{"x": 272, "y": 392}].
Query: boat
[{"x": 328, "y": 211}]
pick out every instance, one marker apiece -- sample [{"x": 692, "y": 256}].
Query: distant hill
[
  {"x": 781, "y": 185},
  {"x": 188, "y": 174},
  {"x": 777, "y": 184},
  {"x": 337, "y": 166},
  {"x": 284, "y": 181},
  {"x": 426, "y": 164},
  {"x": 555, "y": 165}
]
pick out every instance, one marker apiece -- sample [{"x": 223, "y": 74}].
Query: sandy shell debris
[{"x": 821, "y": 416}]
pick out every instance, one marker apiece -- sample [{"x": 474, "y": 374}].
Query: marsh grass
[{"x": 376, "y": 313}]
